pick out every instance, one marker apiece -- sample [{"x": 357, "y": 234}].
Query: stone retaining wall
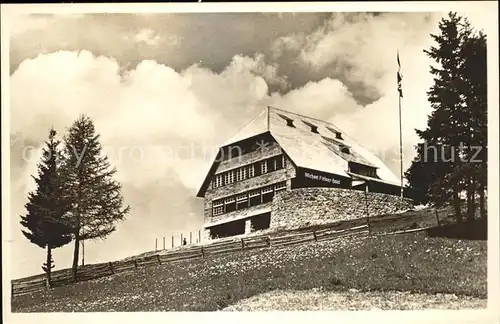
[{"x": 312, "y": 206}]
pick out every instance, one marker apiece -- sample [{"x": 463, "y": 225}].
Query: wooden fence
[{"x": 94, "y": 271}]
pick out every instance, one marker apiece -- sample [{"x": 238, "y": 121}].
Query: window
[
  {"x": 267, "y": 194},
  {"x": 271, "y": 165},
  {"x": 217, "y": 181},
  {"x": 344, "y": 149},
  {"x": 267, "y": 190},
  {"x": 263, "y": 167},
  {"x": 254, "y": 193},
  {"x": 251, "y": 171},
  {"x": 241, "y": 201},
  {"x": 230, "y": 204},
  {"x": 289, "y": 121},
  {"x": 280, "y": 186},
  {"x": 241, "y": 174},
  {"x": 254, "y": 197},
  {"x": 246, "y": 199},
  {"x": 338, "y": 135},
  {"x": 229, "y": 177},
  {"x": 218, "y": 208},
  {"x": 363, "y": 169},
  {"x": 276, "y": 163},
  {"x": 314, "y": 128}
]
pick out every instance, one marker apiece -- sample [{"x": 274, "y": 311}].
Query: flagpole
[
  {"x": 400, "y": 95},
  {"x": 400, "y": 147},
  {"x": 268, "y": 118}
]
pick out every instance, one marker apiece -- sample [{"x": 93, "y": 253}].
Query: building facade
[{"x": 282, "y": 151}]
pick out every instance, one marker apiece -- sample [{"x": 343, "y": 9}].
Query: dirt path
[{"x": 314, "y": 300}]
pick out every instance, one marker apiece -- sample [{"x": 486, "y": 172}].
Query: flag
[{"x": 400, "y": 78}]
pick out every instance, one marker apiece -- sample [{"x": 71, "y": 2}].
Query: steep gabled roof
[
  {"x": 310, "y": 143},
  {"x": 256, "y": 126}
]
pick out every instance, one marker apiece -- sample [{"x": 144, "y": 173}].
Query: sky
[{"x": 164, "y": 90}]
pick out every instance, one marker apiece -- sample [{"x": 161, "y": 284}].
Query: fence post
[
  {"x": 314, "y": 234},
  {"x": 164, "y": 242},
  {"x": 111, "y": 268},
  {"x": 437, "y": 215},
  {"x": 367, "y": 213},
  {"x": 158, "y": 257},
  {"x": 172, "y": 241},
  {"x": 202, "y": 252},
  {"x": 268, "y": 241},
  {"x": 242, "y": 244},
  {"x": 135, "y": 263}
]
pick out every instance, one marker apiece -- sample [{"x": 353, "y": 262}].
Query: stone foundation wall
[{"x": 312, "y": 206}]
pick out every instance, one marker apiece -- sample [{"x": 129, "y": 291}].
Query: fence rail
[{"x": 94, "y": 271}]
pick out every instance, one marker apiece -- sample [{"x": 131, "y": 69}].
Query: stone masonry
[{"x": 311, "y": 206}]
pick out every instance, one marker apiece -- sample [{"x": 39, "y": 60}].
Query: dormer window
[
  {"x": 338, "y": 135},
  {"x": 344, "y": 149},
  {"x": 289, "y": 121},
  {"x": 314, "y": 128}
]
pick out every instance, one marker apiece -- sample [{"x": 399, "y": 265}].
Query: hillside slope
[{"x": 405, "y": 262}]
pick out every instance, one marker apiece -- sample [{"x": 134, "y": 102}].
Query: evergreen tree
[
  {"x": 457, "y": 124},
  {"x": 421, "y": 175},
  {"x": 47, "y": 207},
  {"x": 96, "y": 196},
  {"x": 475, "y": 89},
  {"x": 446, "y": 127}
]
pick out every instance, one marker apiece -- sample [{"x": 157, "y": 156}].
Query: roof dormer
[
  {"x": 344, "y": 149},
  {"x": 314, "y": 128},
  {"x": 338, "y": 134},
  {"x": 289, "y": 121}
]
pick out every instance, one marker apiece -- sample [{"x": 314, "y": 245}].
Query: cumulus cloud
[
  {"x": 361, "y": 46},
  {"x": 323, "y": 99},
  {"x": 259, "y": 66}
]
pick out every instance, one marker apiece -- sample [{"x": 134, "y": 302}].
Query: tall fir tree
[
  {"x": 457, "y": 124},
  {"x": 45, "y": 223},
  {"x": 97, "y": 200},
  {"x": 447, "y": 130},
  {"x": 475, "y": 88}
]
